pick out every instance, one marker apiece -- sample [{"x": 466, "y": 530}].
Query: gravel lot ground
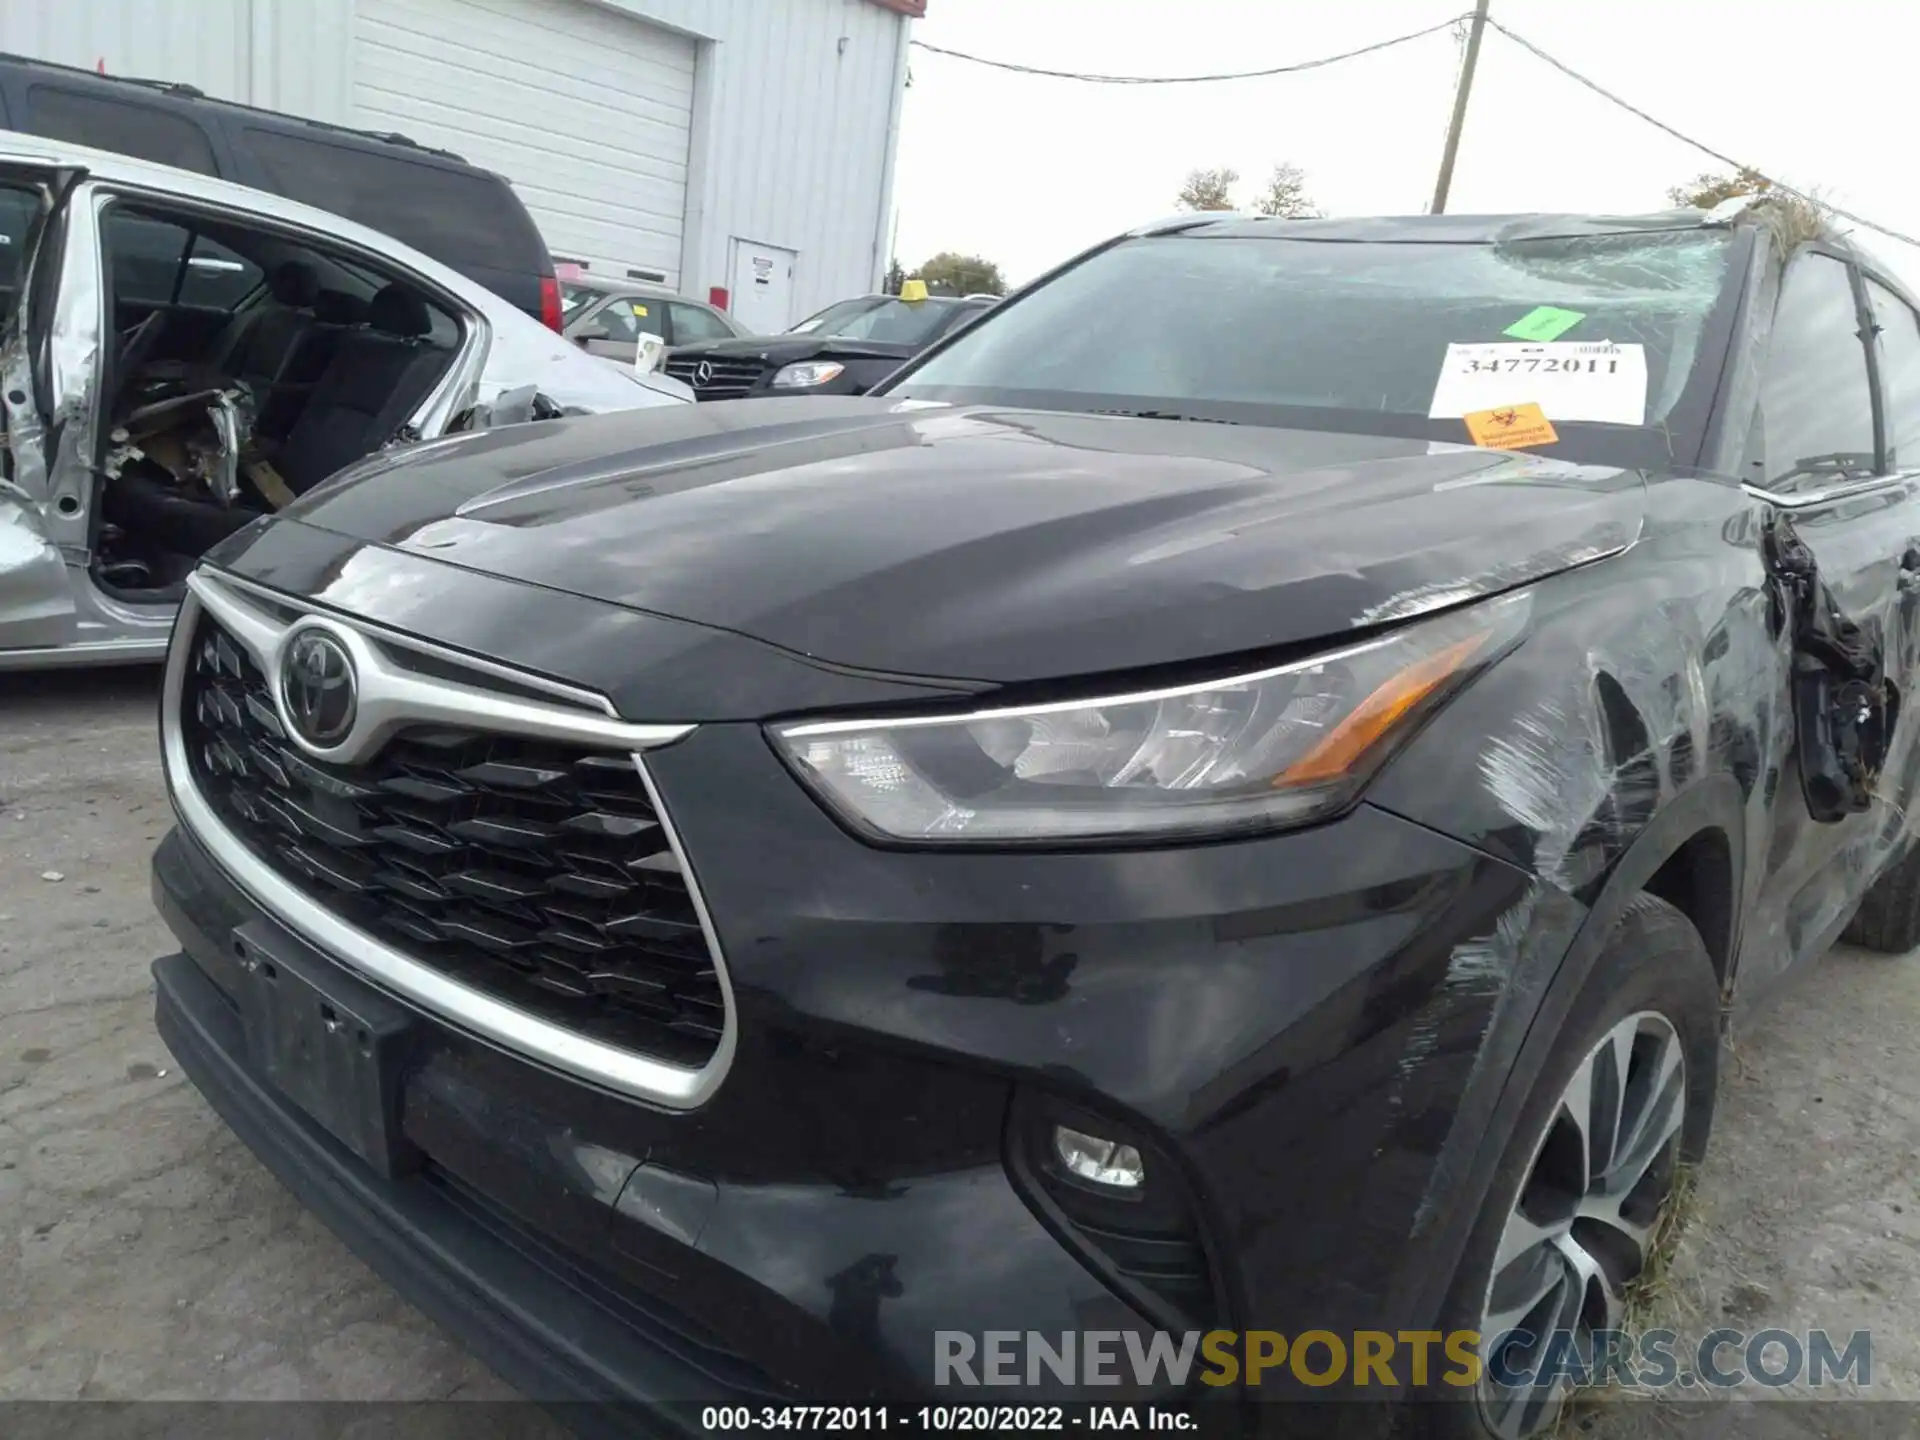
[{"x": 145, "y": 1255}]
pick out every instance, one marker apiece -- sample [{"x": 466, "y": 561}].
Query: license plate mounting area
[{"x": 330, "y": 1043}]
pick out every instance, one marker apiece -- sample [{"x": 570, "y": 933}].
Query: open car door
[{"x": 36, "y": 385}]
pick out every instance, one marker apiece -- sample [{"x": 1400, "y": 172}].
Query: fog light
[{"x": 1103, "y": 1162}]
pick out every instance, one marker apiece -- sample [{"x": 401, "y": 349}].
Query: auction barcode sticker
[{"x": 1569, "y": 380}]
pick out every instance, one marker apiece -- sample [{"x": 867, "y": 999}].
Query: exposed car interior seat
[
  {"x": 168, "y": 519},
  {"x": 334, "y": 313},
  {"x": 262, "y": 340},
  {"x": 250, "y": 367},
  {"x": 339, "y": 309},
  {"x": 376, "y": 378}
]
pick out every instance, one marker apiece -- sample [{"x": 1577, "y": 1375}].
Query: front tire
[{"x": 1623, "y": 1104}]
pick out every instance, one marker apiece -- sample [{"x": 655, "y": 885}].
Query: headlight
[
  {"x": 1279, "y": 747},
  {"x": 807, "y": 372}
]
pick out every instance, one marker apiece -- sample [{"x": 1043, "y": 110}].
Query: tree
[
  {"x": 896, "y": 275},
  {"x": 949, "y": 273},
  {"x": 1707, "y": 190},
  {"x": 1208, "y": 189},
  {"x": 1286, "y": 195}
]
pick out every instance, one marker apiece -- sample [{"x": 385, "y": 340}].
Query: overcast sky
[{"x": 1025, "y": 170}]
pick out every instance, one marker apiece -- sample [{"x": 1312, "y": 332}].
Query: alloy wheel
[{"x": 1579, "y": 1233}]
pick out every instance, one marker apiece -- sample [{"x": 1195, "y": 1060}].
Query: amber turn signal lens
[{"x": 1374, "y": 717}]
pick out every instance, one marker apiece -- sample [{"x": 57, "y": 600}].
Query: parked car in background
[
  {"x": 607, "y": 317},
  {"x": 843, "y": 350},
  {"x": 465, "y": 217},
  {"x": 1233, "y": 793},
  {"x": 185, "y": 355}
]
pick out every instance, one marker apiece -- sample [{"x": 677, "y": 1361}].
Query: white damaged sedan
[{"x": 183, "y": 355}]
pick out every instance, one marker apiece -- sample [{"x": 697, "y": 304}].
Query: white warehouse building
[{"x": 745, "y": 145}]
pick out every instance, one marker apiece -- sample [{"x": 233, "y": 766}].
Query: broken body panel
[
  {"x": 43, "y": 370},
  {"x": 1723, "y": 718}
]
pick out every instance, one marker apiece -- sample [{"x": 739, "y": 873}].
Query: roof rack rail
[
  {"x": 191, "y": 92},
  {"x": 171, "y": 87}
]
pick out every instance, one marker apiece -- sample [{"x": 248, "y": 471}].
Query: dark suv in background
[{"x": 433, "y": 200}]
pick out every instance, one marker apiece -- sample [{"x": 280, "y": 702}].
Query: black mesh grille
[
  {"x": 535, "y": 871},
  {"x": 727, "y": 379}
]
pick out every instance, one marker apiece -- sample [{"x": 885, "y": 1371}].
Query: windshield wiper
[{"x": 1839, "y": 465}]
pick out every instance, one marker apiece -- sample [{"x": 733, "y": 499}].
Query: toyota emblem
[
  {"x": 703, "y": 373},
  {"x": 318, "y": 691}
]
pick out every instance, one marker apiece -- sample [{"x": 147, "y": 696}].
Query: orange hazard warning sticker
[{"x": 1510, "y": 427}]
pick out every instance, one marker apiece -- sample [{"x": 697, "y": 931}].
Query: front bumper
[
  {"x": 1280, "y": 1018},
  {"x": 548, "y": 1337}
]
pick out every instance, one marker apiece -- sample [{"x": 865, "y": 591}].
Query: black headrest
[
  {"x": 295, "y": 283},
  {"x": 336, "y": 307},
  {"x": 398, "y": 311}
]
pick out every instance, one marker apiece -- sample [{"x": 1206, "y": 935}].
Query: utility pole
[{"x": 1445, "y": 183}]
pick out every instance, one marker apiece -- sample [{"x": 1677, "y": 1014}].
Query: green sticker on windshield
[{"x": 1548, "y": 322}]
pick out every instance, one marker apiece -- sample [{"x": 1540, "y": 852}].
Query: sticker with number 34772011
[{"x": 1598, "y": 382}]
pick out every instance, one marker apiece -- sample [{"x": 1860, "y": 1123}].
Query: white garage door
[{"x": 585, "y": 111}]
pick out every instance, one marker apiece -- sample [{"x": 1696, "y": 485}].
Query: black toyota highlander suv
[{"x": 1138, "y": 826}]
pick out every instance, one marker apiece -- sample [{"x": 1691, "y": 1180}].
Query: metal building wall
[
  {"x": 795, "y": 118},
  {"x": 283, "y": 54},
  {"x": 795, "y": 123}
]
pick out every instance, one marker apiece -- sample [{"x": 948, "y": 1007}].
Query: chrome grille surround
[
  {"x": 728, "y": 378},
  {"x": 407, "y": 681}
]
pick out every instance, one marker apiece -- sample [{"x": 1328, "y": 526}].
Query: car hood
[{"x": 984, "y": 544}]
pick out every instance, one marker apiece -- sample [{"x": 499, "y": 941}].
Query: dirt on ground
[{"x": 145, "y": 1255}]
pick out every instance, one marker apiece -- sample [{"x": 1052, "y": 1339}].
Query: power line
[
  {"x": 1565, "y": 69},
  {"x": 1191, "y": 79},
  {"x": 1705, "y": 149}
]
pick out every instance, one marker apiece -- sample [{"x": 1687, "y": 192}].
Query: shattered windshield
[
  {"x": 879, "y": 318},
  {"x": 1601, "y": 329}
]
